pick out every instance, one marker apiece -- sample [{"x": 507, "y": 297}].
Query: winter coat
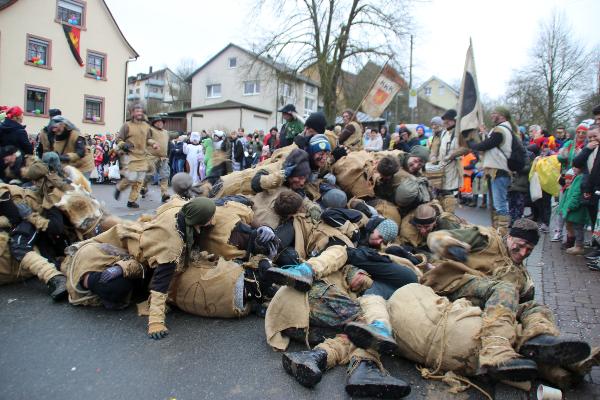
[
  {"x": 13, "y": 133},
  {"x": 520, "y": 180},
  {"x": 570, "y": 205}
]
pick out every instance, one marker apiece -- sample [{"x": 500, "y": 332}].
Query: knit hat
[
  {"x": 198, "y": 211},
  {"x": 299, "y": 159},
  {"x": 388, "y": 230},
  {"x": 181, "y": 183},
  {"x": 420, "y": 151},
  {"x": 582, "y": 127},
  {"x": 316, "y": 121},
  {"x": 36, "y": 171},
  {"x": 7, "y": 150},
  {"x": 437, "y": 121},
  {"x": 505, "y": 112},
  {"x": 335, "y": 198},
  {"x": 525, "y": 229},
  {"x": 449, "y": 115},
  {"x": 318, "y": 143},
  {"x": 53, "y": 112},
  {"x": 420, "y": 126},
  {"x": 14, "y": 111}
]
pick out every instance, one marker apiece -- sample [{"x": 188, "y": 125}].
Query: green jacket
[
  {"x": 207, "y": 143},
  {"x": 293, "y": 128},
  {"x": 570, "y": 205}
]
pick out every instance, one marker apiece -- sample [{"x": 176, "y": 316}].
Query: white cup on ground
[{"x": 548, "y": 393}]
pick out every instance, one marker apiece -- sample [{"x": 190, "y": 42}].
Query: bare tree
[
  {"x": 549, "y": 89},
  {"x": 181, "y": 89},
  {"x": 330, "y": 33}
]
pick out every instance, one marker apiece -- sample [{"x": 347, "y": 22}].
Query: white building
[
  {"x": 236, "y": 88},
  {"x": 38, "y": 70},
  {"x": 438, "y": 93},
  {"x": 163, "y": 85}
]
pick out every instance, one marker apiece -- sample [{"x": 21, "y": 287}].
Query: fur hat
[{"x": 298, "y": 158}]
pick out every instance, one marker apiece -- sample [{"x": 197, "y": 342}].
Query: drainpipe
[
  {"x": 276, "y": 101},
  {"x": 126, "y": 86}
]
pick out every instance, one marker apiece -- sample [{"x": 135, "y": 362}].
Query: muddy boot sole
[
  {"x": 562, "y": 352},
  {"x": 365, "y": 339},
  {"x": 281, "y": 277},
  {"x": 378, "y": 390},
  {"x": 306, "y": 375}
]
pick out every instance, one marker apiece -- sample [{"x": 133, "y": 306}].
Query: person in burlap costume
[
  {"x": 133, "y": 139},
  {"x": 62, "y": 137},
  {"x": 437, "y": 128},
  {"x": 291, "y": 312},
  {"x": 450, "y": 159},
  {"x": 488, "y": 270},
  {"x": 426, "y": 218},
  {"x": 158, "y": 159},
  {"x": 351, "y": 136}
]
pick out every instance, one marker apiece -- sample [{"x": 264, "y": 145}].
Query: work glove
[
  {"x": 400, "y": 251},
  {"x": 339, "y": 152},
  {"x": 314, "y": 213},
  {"x": 22, "y": 239},
  {"x": 110, "y": 273},
  {"x": 265, "y": 234},
  {"x": 64, "y": 158}
]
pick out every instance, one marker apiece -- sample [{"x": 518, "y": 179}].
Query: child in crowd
[{"x": 575, "y": 215}]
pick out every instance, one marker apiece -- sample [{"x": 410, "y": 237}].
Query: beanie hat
[
  {"x": 299, "y": 159},
  {"x": 335, "y": 198},
  {"x": 420, "y": 126},
  {"x": 53, "y": 112},
  {"x": 36, "y": 171},
  {"x": 388, "y": 230},
  {"x": 525, "y": 229},
  {"x": 582, "y": 127},
  {"x": 14, "y": 111},
  {"x": 437, "y": 121},
  {"x": 198, "y": 211},
  {"x": 420, "y": 151},
  {"x": 7, "y": 150},
  {"x": 505, "y": 112},
  {"x": 318, "y": 143},
  {"x": 316, "y": 121},
  {"x": 450, "y": 114},
  {"x": 181, "y": 183}
]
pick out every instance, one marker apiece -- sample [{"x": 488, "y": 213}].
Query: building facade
[
  {"x": 438, "y": 93},
  {"x": 160, "y": 91},
  {"x": 40, "y": 42},
  {"x": 238, "y": 87}
]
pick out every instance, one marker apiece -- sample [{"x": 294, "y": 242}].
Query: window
[
  {"x": 232, "y": 62},
  {"x": 130, "y": 91},
  {"x": 213, "y": 90},
  {"x": 428, "y": 91},
  {"x": 93, "y": 111},
  {"x": 38, "y": 51},
  {"x": 96, "y": 65},
  {"x": 71, "y": 12},
  {"x": 441, "y": 90},
  {"x": 137, "y": 91},
  {"x": 310, "y": 89},
  {"x": 309, "y": 106},
  {"x": 251, "y": 87},
  {"x": 286, "y": 90},
  {"x": 36, "y": 100}
]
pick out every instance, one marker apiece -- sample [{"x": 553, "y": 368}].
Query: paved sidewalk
[{"x": 566, "y": 285}]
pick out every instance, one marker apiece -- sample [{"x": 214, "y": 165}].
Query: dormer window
[{"x": 71, "y": 12}]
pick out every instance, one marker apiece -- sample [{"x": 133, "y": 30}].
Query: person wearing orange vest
[{"x": 466, "y": 190}]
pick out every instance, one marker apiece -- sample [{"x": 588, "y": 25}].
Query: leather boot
[
  {"x": 569, "y": 243},
  {"x": 300, "y": 276},
  {"x": 554, "y": 350},
  {"x": 502, "y": 224},
  {"x": 132, "y": 204},
  {"x": 375, "y": 335},
  {"x": 366, "y": 380},
  {"x": 57, "y": 287},
  {"x": 306, "y": 367},
  {"x": 516, "y": 369},
  {"x": 156, "y": 315}
]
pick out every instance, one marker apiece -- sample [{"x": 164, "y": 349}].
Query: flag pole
[{"x": 369, "y": 90}]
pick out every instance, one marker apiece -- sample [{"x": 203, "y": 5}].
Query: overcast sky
[{"x": 503, "y": 33}]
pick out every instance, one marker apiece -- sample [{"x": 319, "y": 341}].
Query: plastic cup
[{"x": 548, "y": 393}]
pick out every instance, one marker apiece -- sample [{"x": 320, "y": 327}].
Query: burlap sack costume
[
  {"x": 210, "y": 288},
  {"x": 67, "y": 147},
  {"x": 215, "y": 240},
  {"x": 434, "y": 332},
  {"x": 410, "y": 235},
  {"x": 31, "y": 198},
  {"x": 263, "y": 207},
  {"x": 493, "y": 262},
  {"x": 9, "y": 268},
  {"x": 313, "y": 238},
  {"x": 82, "y": 210},
  {"x": 239, "y": 182},
  {"x": 355, "y": 141},
  {"x": 95, "y": 257},
  {"x": 354, "y": 174}
]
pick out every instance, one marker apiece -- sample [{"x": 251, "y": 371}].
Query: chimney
[{"x": 150, "y": 70}]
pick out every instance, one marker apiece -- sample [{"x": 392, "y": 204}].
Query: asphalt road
[{"x": 58, "y": 351}]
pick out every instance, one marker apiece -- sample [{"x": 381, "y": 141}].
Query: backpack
[{"x": 516, "y": 161}]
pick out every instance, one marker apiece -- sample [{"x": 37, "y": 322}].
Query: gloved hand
[
  {"x": 273, "y": 247},
  {"x": 314, "y": 213},
  {"x": 110, "y": 273},
  {"x": 265, "y": 234},
  {"x": 339, "y": 152},
  {"x": 22, "y": 239},
  {"x": 400, "y": 251},
  {"x": 24, "y": 210},
  {"x": 457, "y": 253},
  {"x": 329, "y": 178},
  {"x": 288, "y": 170},
  {"x": 127, "y": 147},
  {"x": 361, "y": 206},
  {"x": 64, "y": 158}
]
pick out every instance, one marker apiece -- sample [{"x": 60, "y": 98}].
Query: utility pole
[{"x": 410, "y": 67}]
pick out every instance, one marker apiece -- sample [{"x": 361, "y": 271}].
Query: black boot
[
  {"x": 57, "y": 287},
  {"x": 143, "y": 192},
  {"x": 371, "y": 336},
  {"x": 117, "y": 194},
  {"x": 132, "y": 204},
  {"x": 306, "y": 366},
  {"x": 554, "y": 350},
  {"x": 517, "y": 370},
  {"x": 368, "y": 381}
]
